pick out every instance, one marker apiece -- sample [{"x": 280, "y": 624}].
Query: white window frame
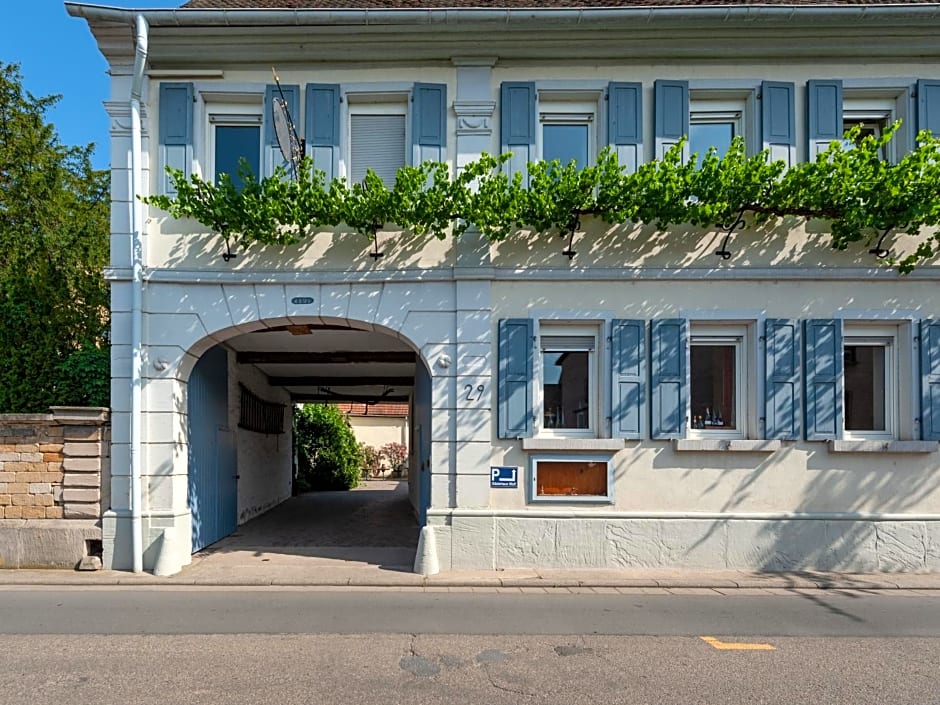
[
  {"x": 556, "y": 329},
  {"x": 724, "y": 106},
  {"x": 229, "y": 109},
  {"x": 875, "y": 109},
  {"x": 875, "y": 335},
  {"x": 739, "y": 334},
  {"x": 534, "y": 461},
  {"x": 569, "y": 107},
  {"x": 372, "y": 102}
]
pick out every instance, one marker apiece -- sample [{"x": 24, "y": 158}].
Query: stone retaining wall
[{"x": 51, "y": 478}]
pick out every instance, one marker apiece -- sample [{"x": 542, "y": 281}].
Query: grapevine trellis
[{"x": 862, "y": 196}]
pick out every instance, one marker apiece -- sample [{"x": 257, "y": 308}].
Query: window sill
[
  {"x": 883, "y": 446},
  {"x": 574, "y": 444},
  {"x": 722, "y": 445}
]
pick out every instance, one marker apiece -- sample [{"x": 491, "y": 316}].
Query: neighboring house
[
  {"x": 377, "y": 425},
  {"x": 662, "y": 406}
]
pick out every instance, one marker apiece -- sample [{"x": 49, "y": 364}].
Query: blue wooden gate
[
  {"x": 212, "y": 458},
  {"x": 422, "y": 422}
]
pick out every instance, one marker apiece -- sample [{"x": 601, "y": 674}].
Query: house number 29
[{"x": 474, "y": 393}]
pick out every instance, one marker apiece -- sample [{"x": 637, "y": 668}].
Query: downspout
[{"x": 137, "y": 284}]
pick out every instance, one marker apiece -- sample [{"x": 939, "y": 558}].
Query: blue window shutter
[
  {"x": 517, "y": 125},
  {"x": 429, "y": 123},
  {"x": 930, "y": 380},
  {"x": 671, "y": 115},
  {"x": 176, "y": 131},
  {"x": 628, "y": 378},
  {"x": 928, "y": 106},
  {"x": 516, "y": 357},
  {"x": 272, "y": 153},
  {"x": 625, "y": 122},
  {"x": 778, "y": 120},
  {"x": 322, "y": 127},
  {"x": 824, "y": 364},
  {"x": 669, "y": 364},
  {"x": 824, "y": 115},
  {"x": 782, "y": 383}
]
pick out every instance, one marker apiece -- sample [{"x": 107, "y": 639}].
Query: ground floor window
[
  {"x": 718, "y": 381},
  {"x": 868, "y": 382}
]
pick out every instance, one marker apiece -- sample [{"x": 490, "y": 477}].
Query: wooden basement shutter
[
  {"x": 625, "y": 123},
  {"x": 782, "y": 383},
  {"x": 628, "y": 378},
  {"x": 778, "y": 120},
  {"x": 516, "y": 366},
  {"x": 824, "y": 115},
  {"x": 928, "y": 106},
  {"x": 322, "y": 127},
  {"x": 429, "y": 122},
  {"x": 669, "y": 365},
  {"x": 175, "y": 131},
  {"x": 824, "y": 369},
  {"x": 272, "y": 157},
  {"x": 671, "y": 115},
  {"x": 517, "y": 125},
  {"x": 930, "y": 380}
]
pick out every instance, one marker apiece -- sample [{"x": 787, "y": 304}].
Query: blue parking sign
[{"x": 504, "y": 477}]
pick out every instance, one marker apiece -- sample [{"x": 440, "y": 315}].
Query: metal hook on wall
[
  {"x": 574, "y": 224},
  {"x": 729, "y": 229}
]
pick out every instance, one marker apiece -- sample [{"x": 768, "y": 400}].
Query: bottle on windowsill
[
  {"x": 718, "y": 420},
  {"x": 708, "y": 416}
]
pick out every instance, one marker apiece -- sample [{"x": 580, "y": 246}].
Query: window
[
  {"x": 568, "y": 390},
  {"x": 235, "y": 135},
  {"x": 875, "y": 110},
  {"x": 714, "y": 122},
  {"x": 567, "y": 479},
  {"x": 874, "y": 116},
  {"x": 869, "y": 384},
  {"x": 567, "y": 127},
  {"x": 377, "y": 137},
  {"x": 718, "y": 383}
]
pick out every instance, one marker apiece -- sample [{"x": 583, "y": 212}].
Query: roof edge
[{"x": 179, "y": 17}]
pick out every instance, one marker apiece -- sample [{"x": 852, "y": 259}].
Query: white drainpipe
[{"x": 137, "y": 284}]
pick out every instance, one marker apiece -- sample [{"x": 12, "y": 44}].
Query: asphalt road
[{"x": 176, "y": 647}]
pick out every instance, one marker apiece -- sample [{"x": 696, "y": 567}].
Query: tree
[
  {"x": 54, "y": 223},
  {"x": 329, "y": 457}
]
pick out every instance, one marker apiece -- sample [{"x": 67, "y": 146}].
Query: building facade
[{"x": 656, "y": 404}]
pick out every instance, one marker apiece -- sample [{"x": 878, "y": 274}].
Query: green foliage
[
  {"x": 84, "y": 378},
  {"x": 860, "y": 194},
  {"x": 329, "y": 458},
  {"x": 54, "y": 223}
]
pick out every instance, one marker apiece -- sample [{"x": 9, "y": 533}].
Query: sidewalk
[{"x": 312, "y": 574}]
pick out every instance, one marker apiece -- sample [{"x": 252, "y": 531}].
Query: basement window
[{"x": 571, "y": 479}]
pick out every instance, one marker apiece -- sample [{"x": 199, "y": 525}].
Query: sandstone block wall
[{"x": 51, "y": 470}]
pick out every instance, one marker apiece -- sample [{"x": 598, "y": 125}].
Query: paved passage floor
[{"x": 372, "y": 526}]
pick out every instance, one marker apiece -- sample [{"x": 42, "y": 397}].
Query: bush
[
  {"x": 84, "y": 378},
  {"x": 396, "y": 454},
  {"x": 329, "y": 458},
  {"x": 371, "y": 460}
]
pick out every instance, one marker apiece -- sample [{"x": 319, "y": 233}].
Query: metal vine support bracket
[
  {"x": 729, "y": 229},
  {"x": 375, "y": 254},
  {"x": 228, "y": 255},
  {"x": 879, "y": 251},
  {"x": 574, "y": 224}
]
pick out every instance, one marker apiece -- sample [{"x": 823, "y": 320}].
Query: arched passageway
[{"x": 243, "y": 494}]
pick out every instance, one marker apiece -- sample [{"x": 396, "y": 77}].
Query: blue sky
[{"x": 57, "y": 55}]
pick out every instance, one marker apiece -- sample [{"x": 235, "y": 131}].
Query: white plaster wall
[
  {"x": 376, "y": 431},
  {"x": 265, "y": 461}
]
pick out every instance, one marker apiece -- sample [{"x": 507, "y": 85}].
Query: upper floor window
[
  {"x": 568, "y": 130},
  {"x": 714, "y": 122},
  {"x": 377, "y": 138},
  {"x": 236, "y": 140}
]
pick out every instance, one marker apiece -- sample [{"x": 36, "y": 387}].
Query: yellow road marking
[{"x": 735, "y": 646}]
